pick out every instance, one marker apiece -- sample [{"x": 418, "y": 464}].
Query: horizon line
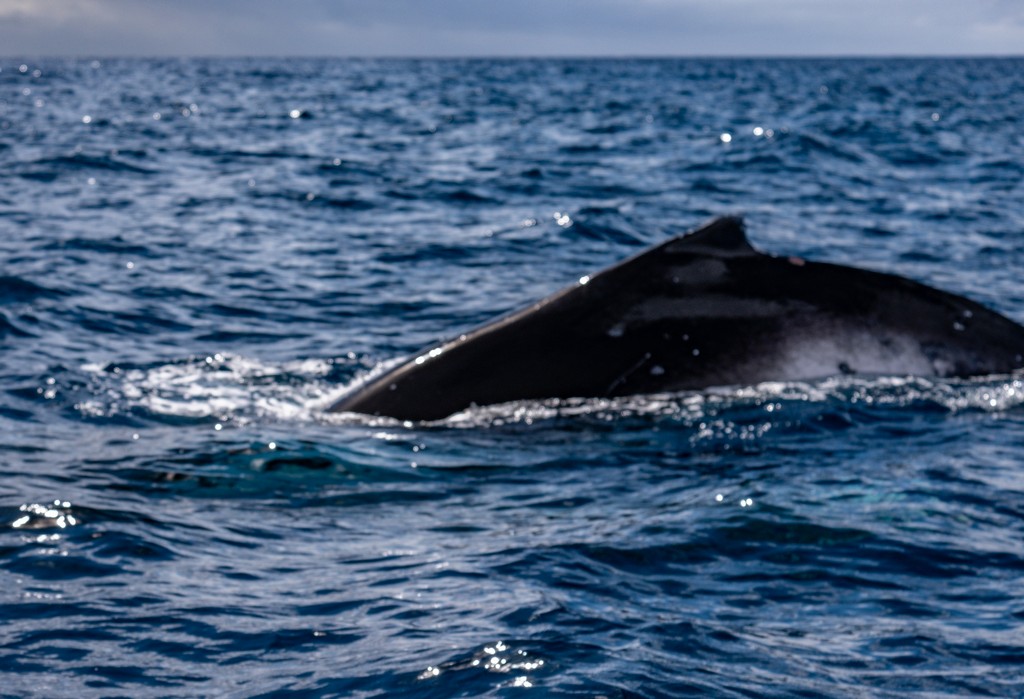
[{"x": 523, "y": 57}]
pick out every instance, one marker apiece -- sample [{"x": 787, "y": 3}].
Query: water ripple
[{"x": 201, "y": 255}]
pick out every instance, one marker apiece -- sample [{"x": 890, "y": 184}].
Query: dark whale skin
[{"x": 700, "y": 310}]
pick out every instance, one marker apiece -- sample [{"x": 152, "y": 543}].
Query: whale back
[{"x": 699, "y": 310}]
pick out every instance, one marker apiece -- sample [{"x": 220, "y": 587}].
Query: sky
[{"x": 33, "y": 28}]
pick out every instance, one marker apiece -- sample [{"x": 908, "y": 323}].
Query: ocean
[{"x": 200, "y": 255}]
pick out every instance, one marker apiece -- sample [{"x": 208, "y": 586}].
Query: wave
[
  {"x": 15, "y": 290},
  {"x": 49, "y": 169}
]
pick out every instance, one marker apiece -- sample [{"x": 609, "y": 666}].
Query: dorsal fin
[{"x": 723, "y": 237}]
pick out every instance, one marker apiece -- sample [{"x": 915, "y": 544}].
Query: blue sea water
[{"x": 200, "y": 255}]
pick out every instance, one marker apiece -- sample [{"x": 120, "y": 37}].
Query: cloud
[{"x": 511, "y": 27}]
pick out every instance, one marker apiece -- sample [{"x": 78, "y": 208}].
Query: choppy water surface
[{"x": 198, "y": 256}]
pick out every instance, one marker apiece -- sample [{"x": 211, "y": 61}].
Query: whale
[{"x": 704, "y": 309}]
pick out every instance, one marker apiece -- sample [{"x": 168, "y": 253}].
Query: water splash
[{"x": 220, "y": 387}]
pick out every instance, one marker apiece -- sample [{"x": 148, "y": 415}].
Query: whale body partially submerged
[{"x": 700, "y": 310}]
